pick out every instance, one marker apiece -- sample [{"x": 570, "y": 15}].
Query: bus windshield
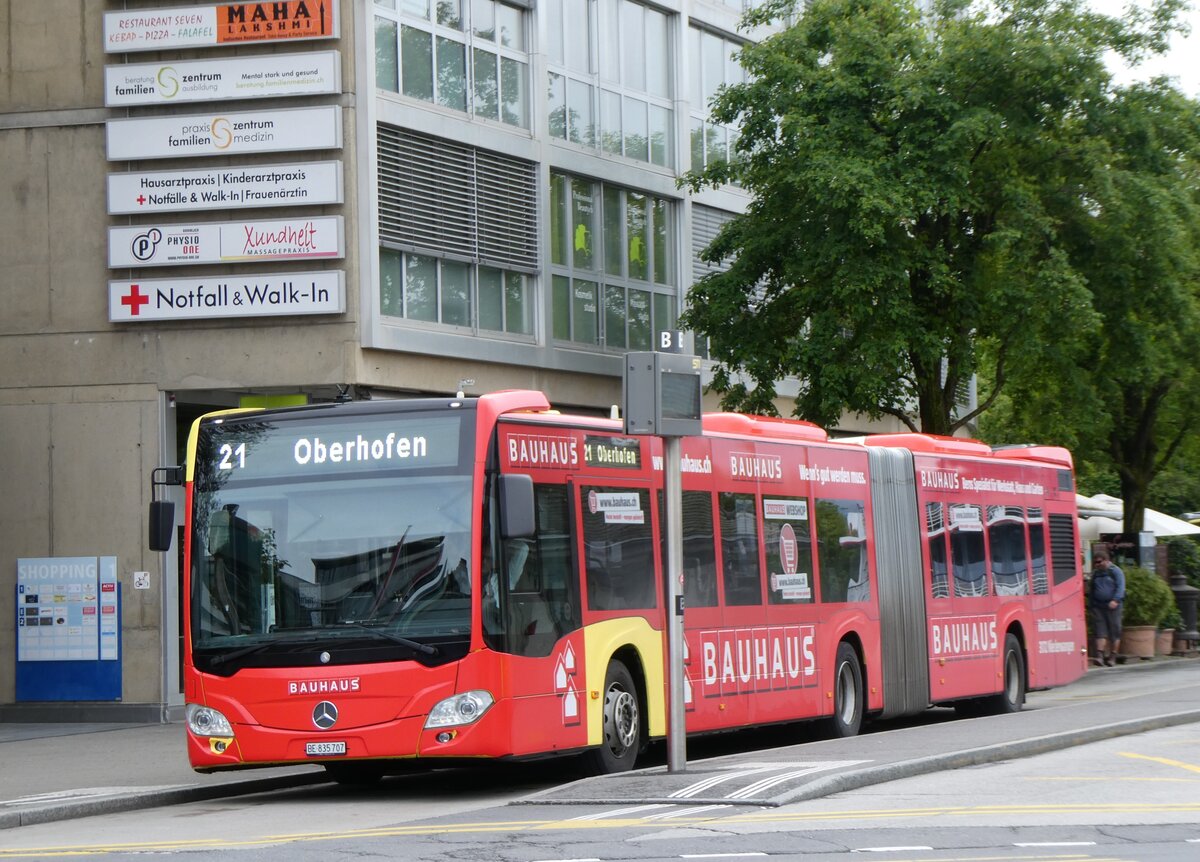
[{"x": 342, "y": 538}]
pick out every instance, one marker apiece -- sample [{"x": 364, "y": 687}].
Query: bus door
[
  {"x": 963, "y": 637},
  {"x": 531, "y": 604},
  {"x": 621, "y": 582}
]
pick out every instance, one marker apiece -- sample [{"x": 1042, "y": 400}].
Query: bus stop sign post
[{"x": 661, "y": 396}]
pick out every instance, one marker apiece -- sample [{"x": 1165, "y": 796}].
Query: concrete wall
[{"x": 84, "y": 413}]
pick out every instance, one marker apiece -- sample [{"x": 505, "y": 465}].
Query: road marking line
[
  {"x": 1166, "y": 761},
  {"x": 713, "y": 780},
  {"x": 718, "y": 855},
  {"x": 771, "y": 781},
  {"x": 1055, "y": 844},
  {"x": 621, "y": 812},
  {"x": 889, "y": 849},
  {"x": 686, "y": 812}
]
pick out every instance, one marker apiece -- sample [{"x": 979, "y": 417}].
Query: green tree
[
  {"x": 910, "y": 175},
  {"x": 1136, "y": 242}
]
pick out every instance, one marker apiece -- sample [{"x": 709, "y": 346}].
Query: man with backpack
[{"x": 1107, "y": 594}]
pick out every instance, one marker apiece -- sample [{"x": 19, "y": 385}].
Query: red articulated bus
[{"x": 462, "y": 578}]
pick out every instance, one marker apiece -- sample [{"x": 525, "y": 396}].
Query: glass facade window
[
  {"x": 609, "y": 82},
  {"x": 614, "y": 283},
  {"x": 435, "y": 290},
  {"x": 711, "y": 66},
  {"x": 467, "y": 55}
]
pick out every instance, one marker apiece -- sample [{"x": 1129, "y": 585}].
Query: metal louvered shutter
[
  {"x": 706, "y": 222},
  {"x": 449, "y": 198},
  {"x": 507, "y": 210}
]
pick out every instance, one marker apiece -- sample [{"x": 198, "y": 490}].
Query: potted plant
[
  {"x": 1172, "y": 622},
  {"x": 1148, "y": 600}
]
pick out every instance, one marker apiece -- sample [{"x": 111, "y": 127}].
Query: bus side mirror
[
  {"x": 162, "y": 524},
  {"x": 516, "y": 506},
  {"x": 162, "y": 512}
]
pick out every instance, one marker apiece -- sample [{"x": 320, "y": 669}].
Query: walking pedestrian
[{"x": 1107, "y": 595}]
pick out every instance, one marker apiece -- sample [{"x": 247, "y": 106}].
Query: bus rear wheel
[
  {"x": 847, "y": 694},
  {"x": 1012, "y": 697},
  {"x": 622, "y": 724}
]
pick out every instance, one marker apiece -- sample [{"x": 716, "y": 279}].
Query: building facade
[{"x": 224, "y": 204}]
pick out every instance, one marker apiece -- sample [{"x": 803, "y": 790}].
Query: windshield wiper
[
  {"x": 251, "y": 649},
  {"x": 239, "y": 653},
  {"x": 376, "y": 631}
]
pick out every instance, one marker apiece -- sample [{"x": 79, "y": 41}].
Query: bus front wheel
[
  {"x": 622, "y": 724},
  {"x": 847, "y": 694}
]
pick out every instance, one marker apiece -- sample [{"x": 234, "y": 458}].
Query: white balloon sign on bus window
[{"x": 966, "y": 518}]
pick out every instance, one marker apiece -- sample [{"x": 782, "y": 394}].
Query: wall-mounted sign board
[
  {"x": 300, "y": 238},
  {"x": 241, "y": 187},
  {"x": 219, "y": 134},
  {"x": 213, "y": 80},
  {"x": 227, "y": 296},
  {"x": 219, "y": 24}
]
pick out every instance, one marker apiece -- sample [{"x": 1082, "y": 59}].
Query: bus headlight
[
  {"x": 204, "y": 721},
  {"x": 461, "y": 709}
]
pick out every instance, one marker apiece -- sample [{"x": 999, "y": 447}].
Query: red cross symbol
[
  {"x": 134, "y": 300},
  {"x": 141, "y": 199}
]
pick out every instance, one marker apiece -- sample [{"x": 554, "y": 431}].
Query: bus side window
[
  {"x": 1037, "y": 551},
  {"x": 699, "y": 548},
  {"x": 739, "y": 549},
  {"x": 618, "y": 549},
  {"x": 842, "y": 550},
  {"x": 966, "y": 551},
  {"x": 787, "y": 538},
  {"x": 1009, "y": 556},
  {"x": 935, "y": 531}
]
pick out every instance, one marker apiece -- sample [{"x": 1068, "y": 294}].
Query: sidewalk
[{"x": 60, "y": 771}]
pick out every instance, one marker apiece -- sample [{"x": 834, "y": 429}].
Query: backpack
[{"x": 1104, "y": 587}]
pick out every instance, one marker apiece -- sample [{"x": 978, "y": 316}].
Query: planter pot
[
  {"x": 1138, "y": 641},
  {"x": 1164, "y": 642}
]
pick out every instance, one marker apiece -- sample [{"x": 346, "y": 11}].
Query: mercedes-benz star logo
[{"x": 325, "y": 715}]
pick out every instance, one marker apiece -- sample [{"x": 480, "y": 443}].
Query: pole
[{"x": 673, "y": 503}]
